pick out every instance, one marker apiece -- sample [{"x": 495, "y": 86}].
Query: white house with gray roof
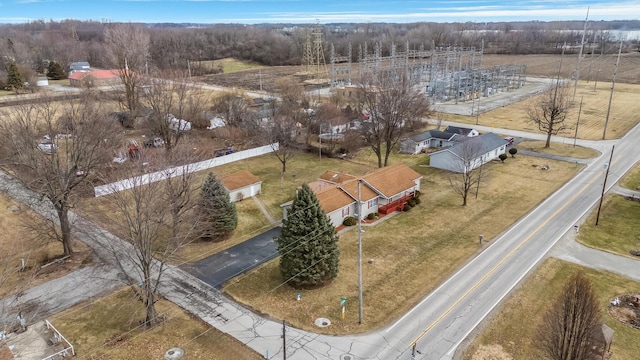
[
  {"x": 429, "y": 139},
  {"x": 469, "y": 154}
]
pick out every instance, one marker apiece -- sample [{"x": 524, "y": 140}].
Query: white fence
[
  {"x": 179, "y": 170},
  {"x": 57, "y": 338}
]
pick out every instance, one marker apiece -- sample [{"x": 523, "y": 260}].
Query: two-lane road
[{"x": 446, "y": 316}]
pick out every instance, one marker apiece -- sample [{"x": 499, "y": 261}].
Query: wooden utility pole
[
  {"x": 604, "y": 184},
  {"x": 584, "y": 31},
  {"x": 578, "y": 122},
  {"x": 613, "y": 84},
  {"x": 359, "y": 254},
  {"x": 284, "y": 341}
]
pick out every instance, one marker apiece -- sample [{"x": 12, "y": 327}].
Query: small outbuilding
[{"x": 241, "y": 185}]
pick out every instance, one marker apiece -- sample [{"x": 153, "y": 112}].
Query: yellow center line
[{"x": 508, "y": 256}]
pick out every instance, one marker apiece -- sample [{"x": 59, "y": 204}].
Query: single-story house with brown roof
[
  {"x": 383, "y": 190},
  {"x": 95, "y": 78},
  {"x": 241, "y": 185}
]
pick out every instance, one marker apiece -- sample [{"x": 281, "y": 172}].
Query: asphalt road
[
  {"x": 218, "y": 268},
  {"x": 442, "y": 321}
]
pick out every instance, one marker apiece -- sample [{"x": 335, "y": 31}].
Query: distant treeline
[{"x": 177, "y": 46}]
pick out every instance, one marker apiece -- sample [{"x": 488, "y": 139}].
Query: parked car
[
  {"x": 223, "y": 152},
  {"x": 509, "y": 140}
]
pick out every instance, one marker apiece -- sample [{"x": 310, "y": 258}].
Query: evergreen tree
[
  {"x": 14, "y": 78},
  {"x": 220, "y": 217},
  {"x": 308, "y": 244},
  {"x": 55, "y": 71}
]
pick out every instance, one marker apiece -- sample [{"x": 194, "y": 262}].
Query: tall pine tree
[
  {"x": 308, "y": 244},
  {"x": 219, "y": 215},
  {"x": 55, "y": 71},
  {"x": 14, "y": 78}
]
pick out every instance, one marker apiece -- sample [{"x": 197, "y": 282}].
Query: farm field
[{"x": 623, "y": 115}]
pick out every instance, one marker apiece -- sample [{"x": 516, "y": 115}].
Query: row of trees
[
  {"x": 31, "y": 43},
  {"x": 59, "y": 149}
]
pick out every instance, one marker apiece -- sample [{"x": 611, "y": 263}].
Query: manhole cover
[
  {"x": 347, "y": 357},
  {"x": 322, "y": 322}
]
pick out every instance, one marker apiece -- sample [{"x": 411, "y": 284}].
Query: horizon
[{"x": 249, "y": 12}]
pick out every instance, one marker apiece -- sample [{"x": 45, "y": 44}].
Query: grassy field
[
  {"x": 412, "y": 252},
  {"x": 623, "y": 115},
  {"x": 230, "y": 65},
  {"x": 109, "y": 329},
  {"x": 569, "y": 150},
  {"x": 618, "y": 229},
  {"x": 510, "y": 333},
  {"x": 31, "y": 247},
  {"x": 632, "y": 179}
]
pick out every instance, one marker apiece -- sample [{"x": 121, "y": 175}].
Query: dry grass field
[
  {"x": 412, "y": 252},
  {"x": 622, "y": 117},
  {"x": 19, "y": 240},
  {"x": 108, "y": 328},
  {"x": 510, "y": 333}
]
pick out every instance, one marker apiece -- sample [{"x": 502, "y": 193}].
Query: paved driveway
[{"x": 218, "y": 268}]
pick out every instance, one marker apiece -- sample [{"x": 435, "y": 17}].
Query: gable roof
[
  {"x": 239, "y": 180},
  {"x": 485, "y": 143},
  {"x": 431, "y": 134},
  {"x": 458, "y": 130},
  {"x": 333, "y": 198},
  {"x": 80, "y": 65},
  {"x": 98, "y": 74},
  {"x": 392, "y": 180},
  {"x": 351, "y": 188}
]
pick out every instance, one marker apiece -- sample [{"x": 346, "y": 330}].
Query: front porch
[{"x": 397, "y": 205}]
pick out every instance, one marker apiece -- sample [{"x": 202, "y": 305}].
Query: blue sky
[{"x": 323, "y": 11}]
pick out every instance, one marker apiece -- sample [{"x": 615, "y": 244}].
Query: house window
[
  {"x": 372, "y": 203},
  {"x": 345, "y": 212}
]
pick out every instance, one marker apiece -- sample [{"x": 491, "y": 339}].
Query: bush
[
  {"x": 371, "y": 216},
  {"x": 503, "y": 157},
  {"x": 411, "y": 202},
  {"x": 407, "y": 207},
  {"x": 417, "y": 200},
  {"x": 417, "y": 194},
  {"x": 349, "y": 221},
  {"x": 513, "y": 152}
]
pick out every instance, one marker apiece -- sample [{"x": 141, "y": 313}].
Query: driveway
[{"x": 218, "y": 268}]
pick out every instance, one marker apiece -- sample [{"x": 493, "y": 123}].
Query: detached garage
[{"x": 241, "y": 185}]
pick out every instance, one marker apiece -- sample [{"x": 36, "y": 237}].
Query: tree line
[{"x": 33, "y": 45}]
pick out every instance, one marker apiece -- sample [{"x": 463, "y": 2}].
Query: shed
[
  {"x": 42, "y": 81},
  {"x": 241, "y": 185}
]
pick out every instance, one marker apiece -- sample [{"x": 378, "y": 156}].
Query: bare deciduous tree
[
  {"x": 172, "y": 96},
  {"x": 80, "y": 138},
  {"x": 550, "y": 111},
  {"x": 234, "y": 107},
  {"x": 469, "y": 173},
  {"x": 127, "y": 48},
  {"x": 155, "y": 220},
  {"x": 395, "y": 107},
  {"x": 567, "y": 328}
]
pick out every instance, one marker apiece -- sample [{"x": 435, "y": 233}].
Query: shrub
[
  {"x": 371, "y": 216},
  {"x": 349, "y": 221},
  {"x": 417, "y": 200},
  {"x": 417, "y": 194},
  {"x": 503, "y": 157},
  {"x": 411, "y": 202},
  {"x": 407, "y": 207},
  {"x": 513, "y": 152}
]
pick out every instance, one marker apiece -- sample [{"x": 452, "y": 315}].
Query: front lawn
[{"x": 411, "y": 253}]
